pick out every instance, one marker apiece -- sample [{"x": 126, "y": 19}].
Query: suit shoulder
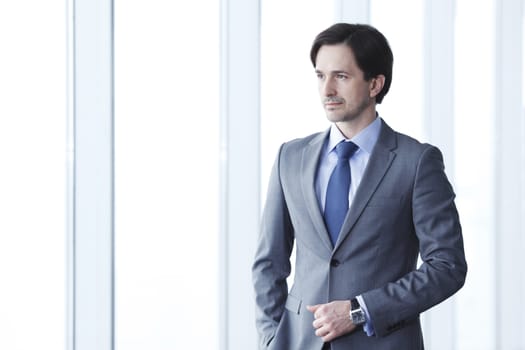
[
  {"x": 299, "y": 143},
  {"x": 410, "y": 145}
]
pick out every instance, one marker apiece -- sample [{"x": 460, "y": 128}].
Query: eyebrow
[{"x": 333, "y": 72}]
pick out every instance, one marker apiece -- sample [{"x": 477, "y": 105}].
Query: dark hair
[{"x": 371, "y": 50}]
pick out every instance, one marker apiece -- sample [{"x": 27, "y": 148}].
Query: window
[
  {"x": 166, "y": 174},
  {"x": 475, "y": 181},
  {"x": 290, "y": 104},
  {"x": 33, "y": 177},
  {"x": 402, "y": 107}
]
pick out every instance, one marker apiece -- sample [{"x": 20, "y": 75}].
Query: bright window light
[
  {"x": 33, "y": 176},
  {"x": 290, "y": 105},
  {"x": 402, "y": 107},
  {"x": 474, "y": 107},
  {"x": 166, "y": 174}
]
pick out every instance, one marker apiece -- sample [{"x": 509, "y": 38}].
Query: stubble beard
[{"x": 348, "y": 115}]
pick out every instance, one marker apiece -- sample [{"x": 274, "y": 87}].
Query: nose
[{"x": 327, "y": 87}]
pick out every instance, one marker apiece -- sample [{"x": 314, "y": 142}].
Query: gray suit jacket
[{"x": 404, "y": 207}]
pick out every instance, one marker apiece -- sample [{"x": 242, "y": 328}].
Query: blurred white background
[{"x": 203, "y": 94}]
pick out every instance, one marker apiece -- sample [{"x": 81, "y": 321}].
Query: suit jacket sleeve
[
  {"x": 444, "y": 268},
  {"x": 272, "y": 260}
]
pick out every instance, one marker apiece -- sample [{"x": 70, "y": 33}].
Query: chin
[
  {"x": 334, "y": 118},
  {"x": 338, "y": 118}
]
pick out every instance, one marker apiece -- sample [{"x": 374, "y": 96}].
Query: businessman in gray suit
[{"x": 360, "y": 202}]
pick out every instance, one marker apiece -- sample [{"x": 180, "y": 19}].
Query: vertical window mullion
[
  {"x": 92, "y": 183},
  {"x": 240, "y": 167},
  {"x": 509, "y": 226},
  {"x": 438, "y": 125}
]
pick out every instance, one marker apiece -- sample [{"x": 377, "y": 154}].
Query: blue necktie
[{"x": 336, "y": 204}]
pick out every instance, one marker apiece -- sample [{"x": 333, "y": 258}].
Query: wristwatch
[{"x": 357, "y": 315}]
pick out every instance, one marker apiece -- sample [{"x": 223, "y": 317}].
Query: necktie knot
[{"x": 345, "y": 150}]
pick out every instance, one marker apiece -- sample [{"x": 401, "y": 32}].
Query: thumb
[{"x": 312, "y": 308}]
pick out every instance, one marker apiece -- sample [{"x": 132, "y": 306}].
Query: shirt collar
[{"x": 366, "y": 139}]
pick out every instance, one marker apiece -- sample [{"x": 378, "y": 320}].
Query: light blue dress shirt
[{"x": 366, "y": 139}]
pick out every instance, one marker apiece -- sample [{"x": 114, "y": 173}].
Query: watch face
[{"x": 358, "y": 317}]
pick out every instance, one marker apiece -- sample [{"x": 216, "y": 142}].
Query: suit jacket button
[{"x": 334, "y": 262}]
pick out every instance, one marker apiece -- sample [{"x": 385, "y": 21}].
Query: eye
[
  {"x": 341, "y": 76},
  {"x": 320, "y": 76}
]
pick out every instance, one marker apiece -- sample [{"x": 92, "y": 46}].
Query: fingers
[
  {"x": 313, "y": 308},
  {"x": 318, "y": 310},
  {"x": 322, "y": 328},
  {"x": 325, "y": 333},
  {"x": 331, "y": 320}
]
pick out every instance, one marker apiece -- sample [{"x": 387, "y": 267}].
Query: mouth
[{"x": 332, "y": 105}]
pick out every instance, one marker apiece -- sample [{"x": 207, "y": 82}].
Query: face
[{"x": 345, "y": 94}]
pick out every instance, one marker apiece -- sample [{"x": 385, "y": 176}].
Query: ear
[{"x": 376, "y": 85}]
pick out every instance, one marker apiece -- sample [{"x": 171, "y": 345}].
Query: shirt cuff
[{"x": 368, "y": 327}]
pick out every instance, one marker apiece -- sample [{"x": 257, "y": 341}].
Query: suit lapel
[
  {"x": 309, "y": 164},
  {"x": 378, "y": 164}
]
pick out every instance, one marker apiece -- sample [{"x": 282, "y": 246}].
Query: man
[{"x": 361, "y": 202}]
